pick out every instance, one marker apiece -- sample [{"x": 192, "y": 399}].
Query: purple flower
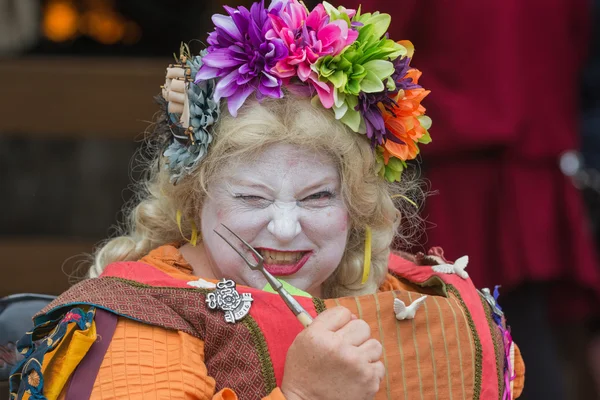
[
  {"x": 369, "y": 109},
  {"x": 241, "y": 57},
  {"x": 372, "y": 105},
  {"x": 402, "y": 65}
]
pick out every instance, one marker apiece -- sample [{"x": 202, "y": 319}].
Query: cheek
[
  {"x": 338, "y": 221},
  {"x": 221, "y": 210},
  {"x": 245, "y": 222},
  {"x": 343, "y": 223},
  {"x": 333, "y": 223}
]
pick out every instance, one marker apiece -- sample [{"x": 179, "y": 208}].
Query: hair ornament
[
  {"x": 341, "y": 57},
  {"x": 191, "y": 110}
]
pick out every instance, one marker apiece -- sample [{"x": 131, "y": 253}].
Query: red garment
[{"x": 503, "y": 76}]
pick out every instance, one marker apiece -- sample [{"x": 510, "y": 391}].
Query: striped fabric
[{"x": 429, "y": 357}]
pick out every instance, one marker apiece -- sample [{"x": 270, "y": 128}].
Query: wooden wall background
[{"x": 68, "y": 131}]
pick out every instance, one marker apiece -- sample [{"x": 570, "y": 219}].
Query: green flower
[
  {"x": 392, "y": 171},
  {"x": 338, "y": 13},
  {"x": 364, "y": 67}
]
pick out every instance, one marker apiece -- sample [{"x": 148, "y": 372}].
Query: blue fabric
[
  {"x": 35, "y": 344},
  {"x": 16, "y": 312}
]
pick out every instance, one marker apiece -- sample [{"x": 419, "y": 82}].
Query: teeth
[{"x": 281, "y": 257}]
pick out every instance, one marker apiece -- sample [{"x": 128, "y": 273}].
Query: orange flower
[
  {"x": 407, "y": 151},
  {"x": 404, "y": 124},
  {"x": 415, "y": 74}
]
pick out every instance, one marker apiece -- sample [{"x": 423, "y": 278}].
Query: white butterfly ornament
[
  {"x": 407, "y": 312},
  {"x": 457, "y": 268}
]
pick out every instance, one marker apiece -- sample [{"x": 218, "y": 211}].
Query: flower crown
[{"x": 342, "y": 57}]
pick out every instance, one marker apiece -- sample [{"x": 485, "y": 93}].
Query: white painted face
[{"x": 288, "y": 206}]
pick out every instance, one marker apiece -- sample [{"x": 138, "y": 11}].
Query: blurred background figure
[
  {"x": 77, "y": 77},
  {"x": 504, "y": 77}
]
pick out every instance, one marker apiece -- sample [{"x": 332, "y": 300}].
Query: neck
[
  {"x": 198, "y": 259},
  {"x": 316, "y": 291}
]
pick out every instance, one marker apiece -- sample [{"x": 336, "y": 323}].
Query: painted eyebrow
[
  {"x": 250, "y": 184},
  {"x": 327, "y": 180},
  {"x": 323, "y": 182}
]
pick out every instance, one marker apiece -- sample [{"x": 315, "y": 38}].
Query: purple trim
[{"x": 82, "y": 381}]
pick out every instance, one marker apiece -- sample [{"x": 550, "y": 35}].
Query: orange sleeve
[{"x": 146, "y": 362}]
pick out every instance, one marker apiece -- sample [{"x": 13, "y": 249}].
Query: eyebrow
[
  {"x": 254, "y": 185},
  {"x": 328, "y": 180}
]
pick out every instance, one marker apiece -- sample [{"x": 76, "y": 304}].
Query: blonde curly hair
[{"x": 370, "y": 200}]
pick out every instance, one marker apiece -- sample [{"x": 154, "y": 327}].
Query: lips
[{"x": 283, "y": 263}]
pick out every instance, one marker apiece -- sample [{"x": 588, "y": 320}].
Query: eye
[
  {"x": 252, "y": 200},
  {"x": 324, "y": 195},
  {"x": 249, "y": 198}
]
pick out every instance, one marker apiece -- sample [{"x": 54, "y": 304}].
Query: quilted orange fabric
[{"x": 147, "y": 362}]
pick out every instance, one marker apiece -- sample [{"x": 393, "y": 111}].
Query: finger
[
  {"x": 332, "y": 319},
  {"x": 355, "y": 332},
  {"x": 379, "y": 370},
  {"x": 372, "y": 350}
]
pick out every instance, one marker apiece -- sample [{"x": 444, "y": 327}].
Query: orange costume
[{"x": 141, "y": 332}]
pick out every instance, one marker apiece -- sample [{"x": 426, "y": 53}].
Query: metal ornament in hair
[{"x": 191, "y": 111}]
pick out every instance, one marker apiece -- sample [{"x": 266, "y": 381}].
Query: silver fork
[{"x": 300, "y": 313}]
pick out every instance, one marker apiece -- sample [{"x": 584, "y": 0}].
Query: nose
[{"x": 284, "y": 224}]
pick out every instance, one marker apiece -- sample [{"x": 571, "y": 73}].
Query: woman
[{"x": 262, "y": 134}]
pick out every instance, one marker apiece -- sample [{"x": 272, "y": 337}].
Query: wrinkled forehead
[{"x": 297, "y": 164}]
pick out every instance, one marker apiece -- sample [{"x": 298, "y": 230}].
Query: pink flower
[
  {"x": 71, "y": 316},
  {"x": 308, "y": 38}
]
